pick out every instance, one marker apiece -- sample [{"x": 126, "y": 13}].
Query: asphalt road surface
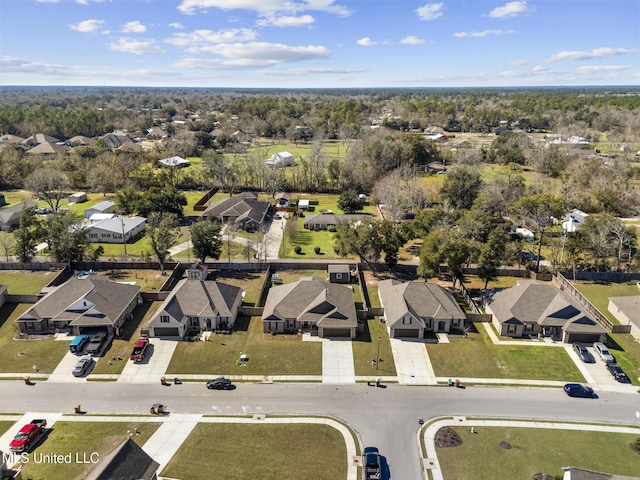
[{"x": 385, "y": 417}]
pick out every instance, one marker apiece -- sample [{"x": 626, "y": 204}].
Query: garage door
[
  {"x": 335, "y": 332},
  {"x": 166, "y": 332},
  {"x": 405, "y": 332},
  {"x": 582, "y": 337}
]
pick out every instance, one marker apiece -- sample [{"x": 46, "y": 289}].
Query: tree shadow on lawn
[{"x": 131, "y": 327}]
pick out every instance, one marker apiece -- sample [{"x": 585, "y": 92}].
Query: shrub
[
  {"x": 637, "y": 444},
  {"x": 317, "y": 250},
  {"x": 298, "y": 249}
]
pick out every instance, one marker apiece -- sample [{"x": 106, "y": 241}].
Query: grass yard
[
  {"x": 82, "y": 438},
  {"x": 19, "y": 356},
  {"x": 289, "y": 276},
  {"x": 25, "y": 282},
  {"x": 598, "y": 293},
  {"x": 473, "y": 282},
  {"x": 149, "y": 280},
  {"x": 307, "y": 240},
  {"x": 5, "y": 426},
  {"x": 280, "y": 451},
  {"x": 626, "y": 349},
  {"x": 476, "y": 356},
  {"x": 268, "y": 354},
  {"x": 365, "y": 348},
  {"x": 481, "y": 457},
  {"x": 250, "y": 282},
  {"x": 122, "y": 347}
]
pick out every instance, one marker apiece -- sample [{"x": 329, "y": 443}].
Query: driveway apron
[
  {"x": 413, "y": 366},
  {"x": 337, "y": 361},
  {"x": 154, "y": 365}
]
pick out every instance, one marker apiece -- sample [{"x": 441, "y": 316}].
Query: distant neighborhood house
[
  {"x": 626, "y": 309},
  {"x": 10, "y": 216},
  {"x": 322, "y": 221},
  {"x": 572, "y": 221},
  {"x": 174, "y": 161},
  {"x": 280, "y": 159},
  {"x": 111, "y": 230},
  {"x": 107, "y": 206},
  {"x": 244, "y": 211}
]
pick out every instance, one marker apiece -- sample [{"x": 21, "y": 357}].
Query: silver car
[
  {"x": 82, "y": 367},
  {"x": 603, "y": 352}
]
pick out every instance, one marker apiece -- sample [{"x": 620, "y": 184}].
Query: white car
[
  {"x": 82, "y": 367},
  {"x": 603, "y": 352}
]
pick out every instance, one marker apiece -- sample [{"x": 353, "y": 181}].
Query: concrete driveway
[
  {"x": 155, "y": 363},
  {"x": 62, "y": 373},
  {"x": 413, "y": 366},
  {"x": 596, "y": 374},
  {"x": 337, "y": 361}
]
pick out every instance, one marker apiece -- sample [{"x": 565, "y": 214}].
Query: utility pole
[
  {"x": 124, "y": 241},
  {"x": 378, "y": 355}
]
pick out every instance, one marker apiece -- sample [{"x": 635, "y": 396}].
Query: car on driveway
[
  {"x": 617, "y": 373},
  {"x": 82, "y": 367},
  {"x": 583, "y": 353},
  {"x": 603, "y": 352},
  {"x": 578, "y": 390},
  {"x": 219, "y": 383}
]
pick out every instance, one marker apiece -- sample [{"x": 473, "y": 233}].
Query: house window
[
  {"x": 164, "y": 318},
  {"x": 338, "y": 276},
  {"x": 406, "y": 321},
  {"x": 194, "y": 321},
  {"x": 528, "y": 327},
  {"x": 427, "y": 322},
  {"x": 455, "y": 323},
  {"x": 511, "y": 329}
]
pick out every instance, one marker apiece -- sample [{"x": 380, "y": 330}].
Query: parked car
[
  {"x": 578, "y": 390},
  {"x": 583, "y": 353},
  {"x": 372, "y": 469},
  {"x": 603, "y": 352},
  {"x": 219, "y": 383},
  {"x": 83, "y": 366},
  {"x": 618, "y": 373}
]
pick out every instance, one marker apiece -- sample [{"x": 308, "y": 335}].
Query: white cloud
[
  {"x": 537, "y": 70},
  {"x": 197, "y": 39},
  {"x": 87, "y": 2},
  {"x": 367, "y": 42},
  {"x": 602, "y": 68},
  {"x": 87, "y": 26},
  {"x": 133, "y": 27},
  {"x": 602, "y": 52},
  {"x": 313, "y": 71},
  {"x": 137, "y": 47},
  {"x": 47, "y": 1},
  {"x": 430, "y": 11},
  {"x": 189, "y": 7},
  {"x": 412, "y": 40},
  {"x": 286, "y": 21},
  {"x": 510, "y": 9},
  {"x": 176, "y": 25},
  {"x": 518, "y": 63},
  {"x": 484, "y": 33}
]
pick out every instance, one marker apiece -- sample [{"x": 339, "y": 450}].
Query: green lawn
[
  {"x": 19, "y": 356},
  {"x": 476, "y": 356},
  {"x": 598, "y": 293},
  {"x": 268, "y": 452},
  {"x": 82, "y": 438},
  {"x": 149, "y": 280},
  {"x": 268, "y": 354},
  {"x": 122, "y": 347},
  {"x": 365, "y": 349},
  {"x": 5, "y": 425},
  {"x": 25, "y": 282},
  {"x": 626, "y": 349},
  {"x": 481, "y": 457},
  {"x": 250, "y": 282}
]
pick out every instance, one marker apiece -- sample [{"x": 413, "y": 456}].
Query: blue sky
[{"x": 319, "y": 43}]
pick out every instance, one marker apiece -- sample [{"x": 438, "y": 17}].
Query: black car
[
  {"x": 219, "y": 383},
  {"x": 583, "y": 353},
  {"x": 617, "y": 373},
  {"x": 577, "y": 390}
]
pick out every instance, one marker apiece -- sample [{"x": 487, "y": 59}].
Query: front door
[{"x": 441, "y": 326}]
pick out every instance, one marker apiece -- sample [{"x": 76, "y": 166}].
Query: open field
[
  {"x": 532, "y": 451},
  {"x": 268, "y": 354},
  {"x": 25, "y": 282},
  {"x": 19, "y": 356},
  {"x": 476, "y": 356},
  {"x": 248, "y": 451},
  {"x": 84, "y": 438}
]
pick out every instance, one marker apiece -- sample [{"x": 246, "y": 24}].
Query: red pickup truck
[
  {"x": 139, "y": 349},
  {"x": 28, "y": 435}
]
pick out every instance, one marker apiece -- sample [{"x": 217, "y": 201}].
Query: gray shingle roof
[
  {"x": 630, "y": 306},
  {"x": 127, "y": 462},
  {"x": 242, "y": 207}
]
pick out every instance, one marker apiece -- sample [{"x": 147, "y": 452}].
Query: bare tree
[{"x": 49, "y": 185}]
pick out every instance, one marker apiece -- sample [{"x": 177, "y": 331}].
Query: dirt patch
[
  {"x": 506, "y": 445},
  {"x": 447, "y": 437},
  {"x": 283, "y": 337}
]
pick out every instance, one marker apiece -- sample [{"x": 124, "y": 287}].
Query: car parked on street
[
  {"x": 578, "y": 390},
  {"x": 617, "y": 373},
  {"x": 603, "y": 352},
  {"x": 583, "y": 353},
  {"x": 219, "y": 383},
  {"x": 83, "y": 366}
]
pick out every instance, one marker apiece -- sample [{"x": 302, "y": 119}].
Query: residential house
[
  {"x": 244, "y": 211},
  {"x": 283, "y": 199},
  {"x": 156, "y": 133},
  {"x": 627, "y": 312},
  {"x": 80, "y": 141},
  {"x": 534, "y": 308},
  {"x": 575, "y": 473},
  {"x": 435, "y": 167},
  {"x": 111, "y": 230},
  {"x": 196, "y": 304},
  {"x": 39, "y": 138},
  {"x": 128, "y": 461},
  {"x": 413, "y": 309},
  {"x": 82, "y": 305},
  {"x": 280, "y": 160},
  {"x": 323, "y": 221},
  {"x": 10, "y": 216},
  {"x": 437, "y": 137},
  {"x": 46, "y": 149},
  {"x": 79, "y": 197},
  {"x": 303, "y": 205},
  {"x": 572, "y": 221},
  {"x": 116, "y": 139},
  {"x": 9, "y": 139},
  {"x": 311, "y": 304},
  {"x": 339, "y": 273},
  {"x": 106, "y": 206},
  {"x": 174, "y": 161}
]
